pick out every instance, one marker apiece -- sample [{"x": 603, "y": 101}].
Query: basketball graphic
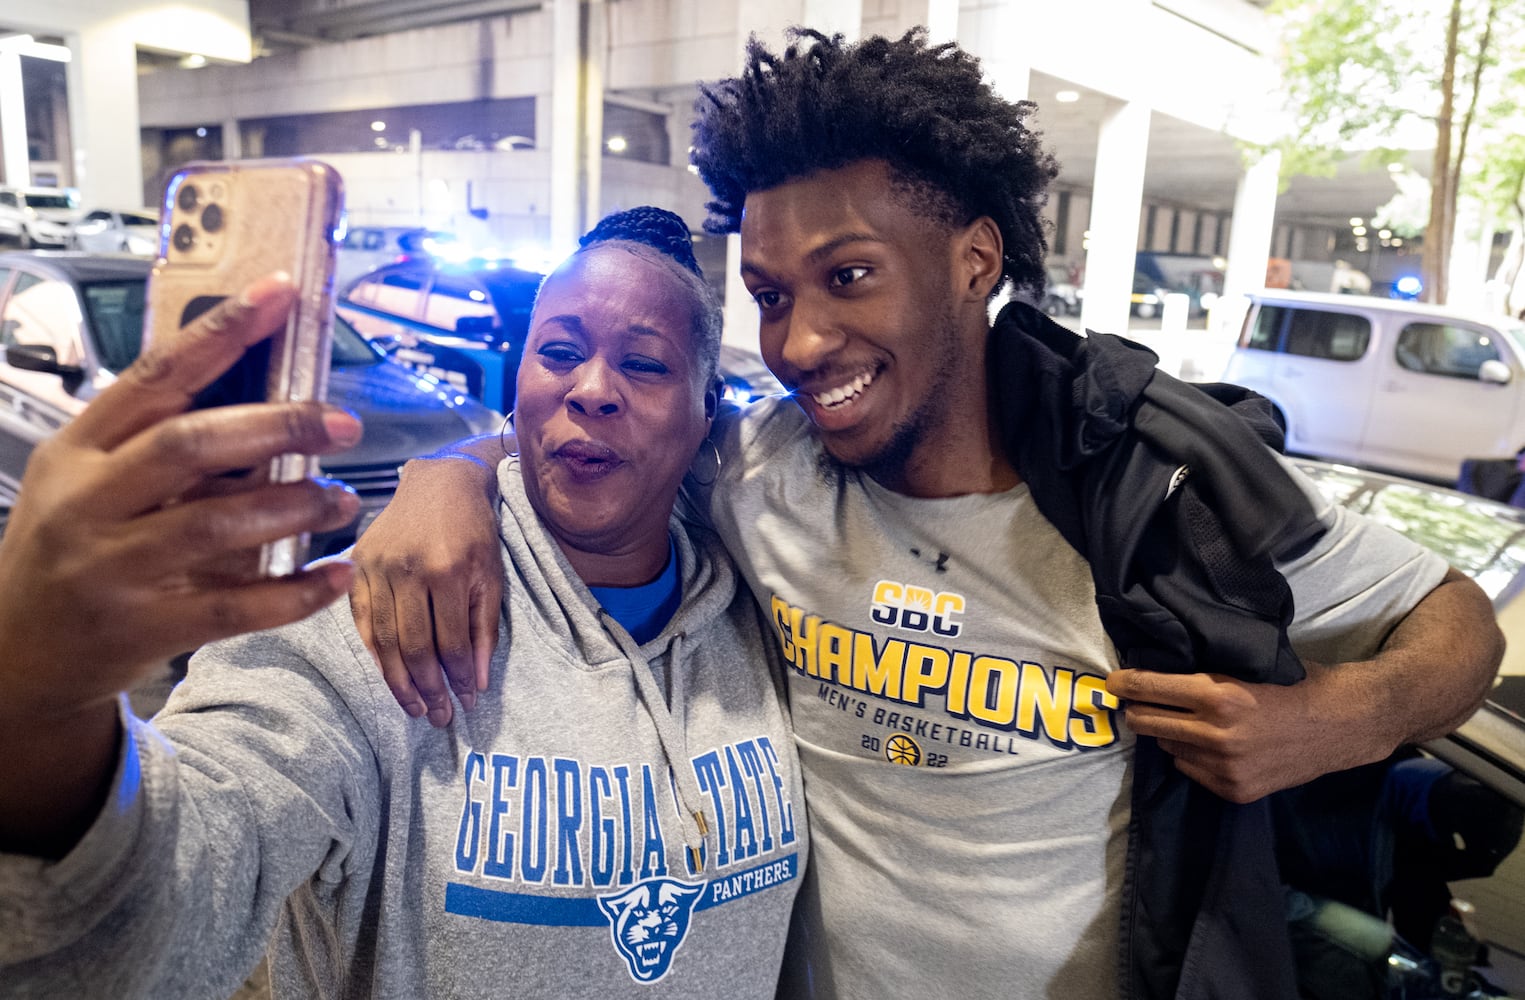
[{"x": 901, "y": 749}]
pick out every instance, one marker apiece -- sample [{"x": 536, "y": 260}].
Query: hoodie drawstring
[{"x": 668, "y": 713}]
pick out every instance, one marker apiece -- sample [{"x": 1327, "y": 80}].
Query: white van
[{"x": 1393, "y": 385}]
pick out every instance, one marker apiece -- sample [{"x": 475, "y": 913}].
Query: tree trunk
[{"x": 1435, "y": 262}]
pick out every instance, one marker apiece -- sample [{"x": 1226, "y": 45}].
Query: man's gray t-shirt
[{"x": 967, "y": 773}]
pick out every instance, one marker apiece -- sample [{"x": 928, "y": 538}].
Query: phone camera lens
[
  {"x": 185, "y": 238},
  {"x": 211, "y": 219},
  {"x": 187, "y": 197}
]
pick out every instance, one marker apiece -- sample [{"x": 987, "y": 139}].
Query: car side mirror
[
  {"x": 1495, "y": 372},
  {"x": 43, "y": 358}
]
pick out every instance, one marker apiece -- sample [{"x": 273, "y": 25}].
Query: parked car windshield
[
  {"x": 47, "y": 201},
  {"x": 351, "y": 349},
  {"x": 115, "y": 311},
  {"x": 1483, "y": 540}
]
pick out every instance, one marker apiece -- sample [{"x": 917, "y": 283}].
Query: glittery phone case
[{"x": 223, "y": 224}]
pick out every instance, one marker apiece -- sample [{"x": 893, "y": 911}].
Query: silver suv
[{"x": 36, "y": 217}]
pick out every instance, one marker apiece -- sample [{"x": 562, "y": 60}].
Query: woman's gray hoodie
[{"x": 537, "y": 847}]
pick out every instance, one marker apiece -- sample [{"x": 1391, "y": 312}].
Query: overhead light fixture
[
  {"x": 378, "y": 126},
  {"x": 1358, "y": 230},
  {"x": 1067, "y": 96},
  {"x": 201, "y": 133},
  {"x": 193, "y": 61},
  {"x": 1385, "y": 234},
  {"x": 1356, "y": 220},
  {"x": 616, "y": 144}
]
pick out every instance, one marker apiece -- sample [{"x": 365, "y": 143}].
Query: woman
[{"x": 621, "y": 810}]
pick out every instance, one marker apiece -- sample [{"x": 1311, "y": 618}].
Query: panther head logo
[{"x": 649, "y": 922}]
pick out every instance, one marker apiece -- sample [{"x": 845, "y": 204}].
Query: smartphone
[{"x": 222, "y": 224}]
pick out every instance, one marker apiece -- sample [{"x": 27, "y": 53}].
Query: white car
[
  {"x": 1382, "y": 383},
  {"x": 36, "y": 217},
  {"x": 108, "y": 230},
  {"x": 1061, "y": 297}
]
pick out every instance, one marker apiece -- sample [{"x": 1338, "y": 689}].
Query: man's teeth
[{"x": 841, "y": 394}]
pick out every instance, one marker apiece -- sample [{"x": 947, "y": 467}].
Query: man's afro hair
[{"x": 961, "y": 149}]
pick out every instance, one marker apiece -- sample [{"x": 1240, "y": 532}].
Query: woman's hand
[
  {"x": 109, "y": 563},
  {"x": 112, "y": 560}
]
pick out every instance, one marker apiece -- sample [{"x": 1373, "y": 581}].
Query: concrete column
[
  {"x": 940, "y": 18},
  {"x": 594, "y": 73},
  {"x": 832, "y": 16},
  {"x": 1117, "y": 193},
  {"x": 768, "y": 18},
  {"x": 15, "y": 167},
  {"x": 566, "y": 130},
  {"x": 1249, "y": 241},
  {"x": 103, "y": 105},
  {"x": 741, "y": 322},
  {"x": 1000, "y": 40},
  {"x": 232, "y": 140}
]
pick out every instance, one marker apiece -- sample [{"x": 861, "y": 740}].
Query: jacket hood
[{"x": 536, "y": 563}]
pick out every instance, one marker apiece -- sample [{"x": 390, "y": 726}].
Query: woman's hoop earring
[
  {"x": 508, "y": 425},
  {"x": 706, "y": 465}
]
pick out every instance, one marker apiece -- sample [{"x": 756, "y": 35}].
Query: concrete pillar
[
  {"x": 1000, "y": 42},
  {"x": 566, "y": 130},
  {"x": 741, "y": 322},
  {"x": 103, "y": 105},
  {"x": 15, "y": 167},
  {"x": 232, "y": 140},
  {"x": 1122, "y": 143},
  {"x": 1249, "y": 242},
  {"x": 941, "y": 18},
  {"x": 594, "y": 50},
  {"x": 832, "y": 16},
  {"x": 768, "y": 18}
]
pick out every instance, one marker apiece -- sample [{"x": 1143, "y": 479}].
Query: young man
[{"x": 932, "y": 527}]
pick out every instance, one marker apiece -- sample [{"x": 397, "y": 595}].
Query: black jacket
[{"x": 1169, "y": 492}]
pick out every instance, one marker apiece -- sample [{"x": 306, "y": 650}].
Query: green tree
[{"x": 1360, "y": 73}]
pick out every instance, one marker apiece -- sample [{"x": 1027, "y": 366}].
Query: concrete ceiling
[
  {"x": 1187, "y": 165},
  {"x": 1196, "y": 167}
]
